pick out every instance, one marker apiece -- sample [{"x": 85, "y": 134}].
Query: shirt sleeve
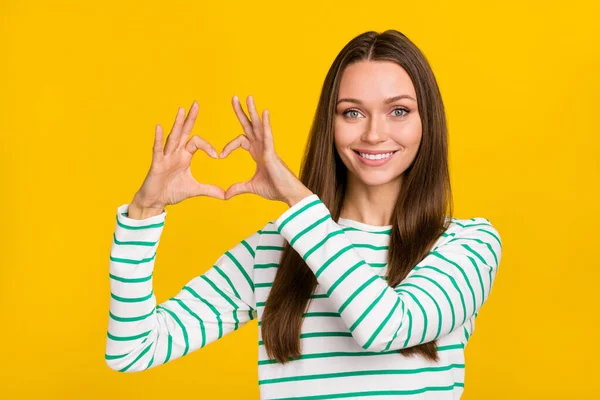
[
  {"x": 440, "y": 294},
  {"x": 142, "y": 334}
]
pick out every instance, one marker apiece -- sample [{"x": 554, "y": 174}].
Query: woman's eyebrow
[{"x": 387, "y": 101}]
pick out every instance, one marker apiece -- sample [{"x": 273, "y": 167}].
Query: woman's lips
[{"x": 374, "y": 163}]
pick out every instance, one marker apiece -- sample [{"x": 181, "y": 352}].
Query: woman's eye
[
  {"x": 355, "y": 114},
  {"x": 345, "y": 113},
  {"x": 401, "y": 109}
]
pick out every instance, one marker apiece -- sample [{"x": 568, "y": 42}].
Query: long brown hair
[{"x": 420, "y": 212}]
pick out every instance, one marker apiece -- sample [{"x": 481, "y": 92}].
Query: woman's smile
[{"x": 374, "y": 159}]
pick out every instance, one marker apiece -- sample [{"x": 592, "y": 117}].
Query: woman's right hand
[{"x": 170, "y": 180}]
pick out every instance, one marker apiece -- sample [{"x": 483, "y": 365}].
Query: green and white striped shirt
[{"x": 355, "y": 323}]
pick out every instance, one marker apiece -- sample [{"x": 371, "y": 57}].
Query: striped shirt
[{"x": 355, "y": 323}]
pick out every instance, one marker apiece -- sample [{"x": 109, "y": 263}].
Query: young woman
[{"x": 364, "y": 286}]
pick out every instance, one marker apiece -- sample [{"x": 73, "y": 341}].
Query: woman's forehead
[{"x": 375, "y": 82}]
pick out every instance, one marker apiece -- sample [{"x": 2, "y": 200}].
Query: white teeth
[{"x": 375, "y": 156}]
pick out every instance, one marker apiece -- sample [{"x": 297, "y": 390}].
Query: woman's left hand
[{"x": 272, "y": 180}]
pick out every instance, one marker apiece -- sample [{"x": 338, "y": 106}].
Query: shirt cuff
[
  {"x": 299, "y": 218},
  {"x": 147, "y": 229}
]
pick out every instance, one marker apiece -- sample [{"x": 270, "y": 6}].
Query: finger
[
  {"x": 172, "y": 140},
  {"x": 203, "y": 189},
  {"x": 188, "y": 124},
  {"x": 238, "y": 188},
  {"x": 256, "y": 122},
  {"x": 157, "y": 149},
  {"x": 196, "y": 142},
  {"x": 269, "y": 145},
  {"x": 243, "y": 118},
  {"x": 240, "y": 141}
]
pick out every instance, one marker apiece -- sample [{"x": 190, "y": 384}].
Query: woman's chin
[{"x": 374, "y": 179}]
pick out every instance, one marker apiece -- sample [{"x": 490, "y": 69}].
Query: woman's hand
[
  {"x": 170, "y": 180},
  {"x": 272, "y": 180}
]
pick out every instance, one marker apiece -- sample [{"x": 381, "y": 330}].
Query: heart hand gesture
[
  {"x": 272, "y": 180},
  {"x": 170, "y": 180}
]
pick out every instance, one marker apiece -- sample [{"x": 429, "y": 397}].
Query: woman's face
[{"x": 377, "y": 133}]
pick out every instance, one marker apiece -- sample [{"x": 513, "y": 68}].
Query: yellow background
[{"x": 83, "y": 84}]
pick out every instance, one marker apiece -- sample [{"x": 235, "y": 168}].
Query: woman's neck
[{"x": 372, "y": 205}]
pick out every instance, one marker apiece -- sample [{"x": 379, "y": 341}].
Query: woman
[{"x": 363, "y": 287}]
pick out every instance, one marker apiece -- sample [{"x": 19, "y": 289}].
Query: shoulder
[
  {"x": 473, "y": 236},
  {"x": 477, "y": 229},
  {"x": 474, "y": 226}
]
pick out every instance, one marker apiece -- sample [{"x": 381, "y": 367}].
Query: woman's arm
[
  {"x": 142, "y": 334},
  {"x": 445, "y": 289}
]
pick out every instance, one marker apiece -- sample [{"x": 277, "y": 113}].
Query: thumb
[
  {"x": 238, "y": 188},
  {"x": 202, "y": 189}
]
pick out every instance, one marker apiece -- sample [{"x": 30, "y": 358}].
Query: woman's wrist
[
  {"x": 136, "y": 212},
  {"x": 139, "y": 210},
  {"x": 302, "y": 193}
]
